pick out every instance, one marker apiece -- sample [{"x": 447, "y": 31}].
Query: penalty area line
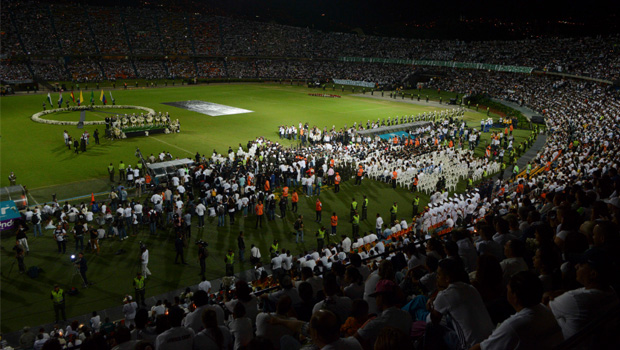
[{"x": 169, "y": 144}]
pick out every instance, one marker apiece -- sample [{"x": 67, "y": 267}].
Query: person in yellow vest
[
  {"x": 393, "y": 212},
  {"x": 358, "y": 177},
  {"x": 416, "y": 205},
  {"x": 58, "y": 297},
  {"x": 138, "y": 285},
  {"x": 353, "y": 209},
  {"x": 121, "y": 171},
  {"x": 275, "y": 246},
  {"x": 355, "y": 223},
  {"x": 337, "y": 183},
  {"x": 229, "y": 259},
  {"x": 320, "y": 238},
  {"x": 394, "y": 177},
  {"x": 111, "y": 172},
  {"x": 365, "y": 208}
]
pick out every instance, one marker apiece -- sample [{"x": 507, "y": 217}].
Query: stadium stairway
[{"x": 527, "y": 156}]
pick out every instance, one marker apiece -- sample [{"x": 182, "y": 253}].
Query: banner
[
  {"x": 450, "y": 64},
  {"x": 8, "y": 215},
  {"x": 354, "y": 82}
]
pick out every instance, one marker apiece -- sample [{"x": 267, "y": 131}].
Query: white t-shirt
[
  {"x": 242, "y": 331},
  {"x": 205, "y": 285},
  {"x": 576, "y": 308},
  {"x": 176, "y": 338},
  {"x": 465, "y": 306},
  {"x": 530, "y": 328},
  {"x": 204, "y": 340}
]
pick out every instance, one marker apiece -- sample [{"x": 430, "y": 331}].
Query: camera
[{"x": 204, "y": 244}]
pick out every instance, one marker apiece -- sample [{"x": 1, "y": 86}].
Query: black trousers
[
  {"x": 59, "y": 308},
  {"x": 140, "y": 296},
  {"x": 179, "y": 254}
]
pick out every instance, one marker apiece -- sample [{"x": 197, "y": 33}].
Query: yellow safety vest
[
  {"x": 230, "y": 258},
  {"x": 58, "y": 297},
  {"x": 321, "y": 234},
  {"x": 138, "y": 283}
]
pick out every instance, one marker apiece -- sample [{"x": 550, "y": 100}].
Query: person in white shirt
[
  {"x": 240, "y": 327},
  {"x": 255, "y": 255},
  {"x": 514, "y": 251},
  {"x": 129, "y": 309},
  {"x": 177, "y": 337},
  {"x": 145, "y": 262},
  {"x": 379, "y": 224},
  {"x": 200, "y": 212},
  {"x": 462, "y": 302},
  {"x": 205, "y": 285},
  {"x": 345, "y": 244},
  {"x": 576, "y": 308},
  {"x": 533, "y": 326},
  {"x": 214, "y": 335}
]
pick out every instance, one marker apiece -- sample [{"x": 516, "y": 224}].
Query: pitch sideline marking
[{"x": 169, "y": 144}]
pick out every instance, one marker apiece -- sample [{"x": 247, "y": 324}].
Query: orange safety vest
[
  {"x": 267, "y": 187},
  {"x": 451, "y": 144},
  {"x": 415, "y": 181},
  {"x": 147, "y": 178},
  {"x": 295, "y": 197},
  {"x": 395, "y": 140},
  {"x": 301, "y": 131},
  {"x": 334, "y": 220},
  {"x": 337, "y": 179},
  {"x": 394, "y": 175},
  {"x": 360, "y": 171},
  {"x": 331, "y": 162},
  {"x": 417, "y": 142},
  {"x": 285, "y": 192},
  {"x": 319, "y": 206},
  {"x": 259, "y": 209}
]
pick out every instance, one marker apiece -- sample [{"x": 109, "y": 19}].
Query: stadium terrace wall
[{"x": 451, "y": 64}]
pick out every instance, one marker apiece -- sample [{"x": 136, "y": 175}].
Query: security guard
[
  {"x": 229, "y": 259},
  {"x": 121, "y": 171},
  {"x": 275, "y": 246},
  {"x": 320, "y": 238},
  {"x": 111, "y": 172},
  {"x": 58, "y": 297},
  {"x": 353, "y": 209},
  {"x": 365, "y": 208},
  {"x": 416, "y": 205},
  {"x": 355, "y": 223},
  {"x": 393, "y": 212},
  {"x": 138, "y": 284}
]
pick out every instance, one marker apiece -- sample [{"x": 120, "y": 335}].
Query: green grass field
[{"x": 37, "y": 155}]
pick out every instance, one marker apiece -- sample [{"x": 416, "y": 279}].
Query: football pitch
[{"x": 40, "y": 160}]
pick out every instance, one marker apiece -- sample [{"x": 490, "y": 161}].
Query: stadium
[{"x": 282, "y": 176}]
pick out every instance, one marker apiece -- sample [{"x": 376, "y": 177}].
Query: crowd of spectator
[{"x": 78, "y": 31}]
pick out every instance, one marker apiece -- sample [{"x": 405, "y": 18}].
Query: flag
[
  {"x": 92, "y": 96},
  {"x": 49, "y": 98},
  {"x": 102, "y": 97},
  {"x": 81, "y": 100},
  {"x": 111, "y": 98},
  {"x": 72, "y": 97}
]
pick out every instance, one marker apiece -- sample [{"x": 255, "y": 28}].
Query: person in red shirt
[
  {"x": 259, "y": 209},
  {"x": 319, "y": 210}
]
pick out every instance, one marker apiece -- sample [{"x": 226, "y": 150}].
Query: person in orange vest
[
  {"x": 395, "y": 140},
  {"x": 334, "y": 222},
  {"x": 147, "y": 180},
  {"x": 358, "y": 178},
  {"x": 285, "y": 195},
  {"x": 337, "y": 183},
  {"x": 294, "y": 200},
  {"x": 415, "y": 184},
  {"x": 267, "y": 187},
  {"x": 259, "y": 209},
  {"x": 450, "y": 144},
  {"x": 394, "y": 177},
  {"x": 319, "y": 210}
]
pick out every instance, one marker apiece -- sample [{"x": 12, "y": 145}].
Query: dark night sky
[{"x": 468, "y": 19}]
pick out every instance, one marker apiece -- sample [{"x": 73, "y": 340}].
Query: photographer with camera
[{"x": 82, "y": 267}]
